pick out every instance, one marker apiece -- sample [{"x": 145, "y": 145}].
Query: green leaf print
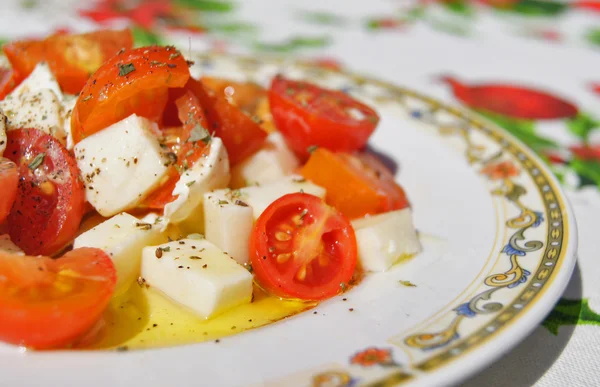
[
  {"x": 587, "y": 170},
  {"x": 582, "y": 125},
  {"x": 593, "y": 36},
  {"x": 540, "y": 7},
  {"x": 571, "y": 312},
  {"x": 524, "y": 130},
  {"x": 143, "y": 37},
  {"x": 459, "y": 6},
  {"x": 321, "y": 18},
  {"x": 207, "y": 5},
  {"x": 294, "y": 43}
]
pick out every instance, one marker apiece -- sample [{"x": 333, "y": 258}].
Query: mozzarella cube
[
  {"x": 228, "y": 224},
  {"x": 384, "y": 239},
  {"x": 260, "y": 197},
  {"x": 68, "y": 105},
  {"x": 39, "y": 109},
  {"x": 198, "y": 275},
  {"x": 7, "y": 246},
  {"x": 121, "y": 165},
  {"x": 122, "y": 237},
  {"x": 2, "y": 133},
  {"x": 274, "y": 161},
  {"x": 41, "y": 78},
  {"x": 208, "y": 173}
]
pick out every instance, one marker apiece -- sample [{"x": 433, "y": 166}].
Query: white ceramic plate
[{"x": 499, "y": 247}]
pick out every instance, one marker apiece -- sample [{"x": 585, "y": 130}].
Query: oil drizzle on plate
[{"x": 144, "y": 318}]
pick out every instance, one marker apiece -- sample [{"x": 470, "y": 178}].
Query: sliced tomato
[
  {"x": 308, "y": 115},
  {"x": 72, "y": 58},
  {"x": 244, "y": 95},
  {"x": 302, "y": 248},
  {"x": 188, "y": 142},
  {"x": 7, "y": 82},
  {"x": 132, "y": 82},
  {"x": 368, "y": 186},
  {"x": 9, "y": 179},
  {"x": 50, "y": 199},
  {"x": 49, "y": 303},
  {"x": 241, "y": 136}
]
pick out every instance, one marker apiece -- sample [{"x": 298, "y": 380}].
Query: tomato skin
[
  {"x": 244, "y": 95},
  {"x": 132, "y": 82},
  {"x": 48, "y": 303},
  {"x": 72, "y": 58},
  {"x": 9, "y": 179},
  {"x": 368, "y": 187},
  {"x": 7, "y": 82},
  {"x": 315, "y": 260},
  {"x": 51, "y": 198},
  {"x": 308, "y": 116},
  {"x": 241, "y": 136}
]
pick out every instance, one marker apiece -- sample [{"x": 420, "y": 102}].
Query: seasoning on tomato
[
  {"x": 9, "y": 178},
  {"x": 308, "y": 116},
  {"x": 302, "y": 248},
  {"x": 49, "y": 303},
  {"x": 368, "y": 186},
  {"x": 132, "y": 82},
  {"x": 71, "y": 57},
  {"x": 50, "y": 199}
]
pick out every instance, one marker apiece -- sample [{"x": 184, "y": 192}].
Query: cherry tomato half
[
  {"x": 50, "y": 199},
  {"x": 71, "y": 57},
  {"x": 9, "y": 178},
  {"x": 302, "y": 248},
  {"x": 356, "y": 184},
  {"x": 7, "y": 82},
  {"x": 48, "y": 303},
  {"x": 308, "y": 115},
  {"x": 132, "y": 82}
]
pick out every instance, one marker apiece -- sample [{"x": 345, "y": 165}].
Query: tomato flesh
[
  {"x": 49, "y": 303},
  {"x": 72, "y": 58},
  {"x": 308, "y": 116},
  {"x": 50, "y": 200},
  {"x": 9, "y": 179},
  {"x": 7, "y": 82},
  {"x": 132, "y": 82},
  {"x": 356, "y": 185},
  {"x": 302, "y": 248}
]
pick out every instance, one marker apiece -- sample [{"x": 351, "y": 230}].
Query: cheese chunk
[
  {"x": 274, "y": 161},
  {"x": 198, "y": 275},
  {"x": 41, "y": 78},
  {"x": 121, "y": 164},
  {"x": 385, "y": 238},
  {"x": 228, "y": 224},
  {"x": 7, "y": 246},
  {"x": 208, "y": 173},
  {"x": 2, "y": 133},
  {"x": 122, "y": 237}
]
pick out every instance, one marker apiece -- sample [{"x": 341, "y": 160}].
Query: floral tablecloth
[{"x": 551, "y": 49}]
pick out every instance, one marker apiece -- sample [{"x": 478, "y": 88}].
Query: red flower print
[
  {"x": 586, "y": 5},
  {"x": 326, "y": 63},
  {"x": 512, "y": 101},
  {"x": 586, "y": 152},
  {"x": 596, "y": 88},
  {"x": 501, "y": 170},
  {"x": 372, "y": 356}
]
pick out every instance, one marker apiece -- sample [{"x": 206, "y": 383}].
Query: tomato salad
[{"x": 262, "y": 187}]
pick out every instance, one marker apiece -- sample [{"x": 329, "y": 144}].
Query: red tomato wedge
[
  {"x": 7, "y": 82},
  {"x": 241, "y": 136},
  {"x": 302, "y": 248},
  {"x": 48, "y": 303},
  {"x": 308, "y": 115},
  {"x": 50, "y": 199},
  {"x": 368, "y": 186},
  {"x": 9, "y": 179},
  {"x": 512, "y": 101},
  {"x": 187, "y": 142},
  {"x": 72, "y": 58},
  {"x": 132, "y": 82}
]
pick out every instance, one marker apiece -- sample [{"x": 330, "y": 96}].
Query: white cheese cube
[
  {"x": 274, "y": 161},
  {"x": 208, "y": 173},
  {"x": 198, "y": 275},
  {"x": 41, "y": 78},
  {"x": 385, "y": 238},
  {"x": 122, "y": 237},
  {"x": 40, "y": 109},
  {"x": 260, "y": 197},
  {"x": 228, "y": 224},
  {"x": 2, "y": 133},
  {"x": 121, "y": 165},
  {"x": 7, "y": 246}
]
